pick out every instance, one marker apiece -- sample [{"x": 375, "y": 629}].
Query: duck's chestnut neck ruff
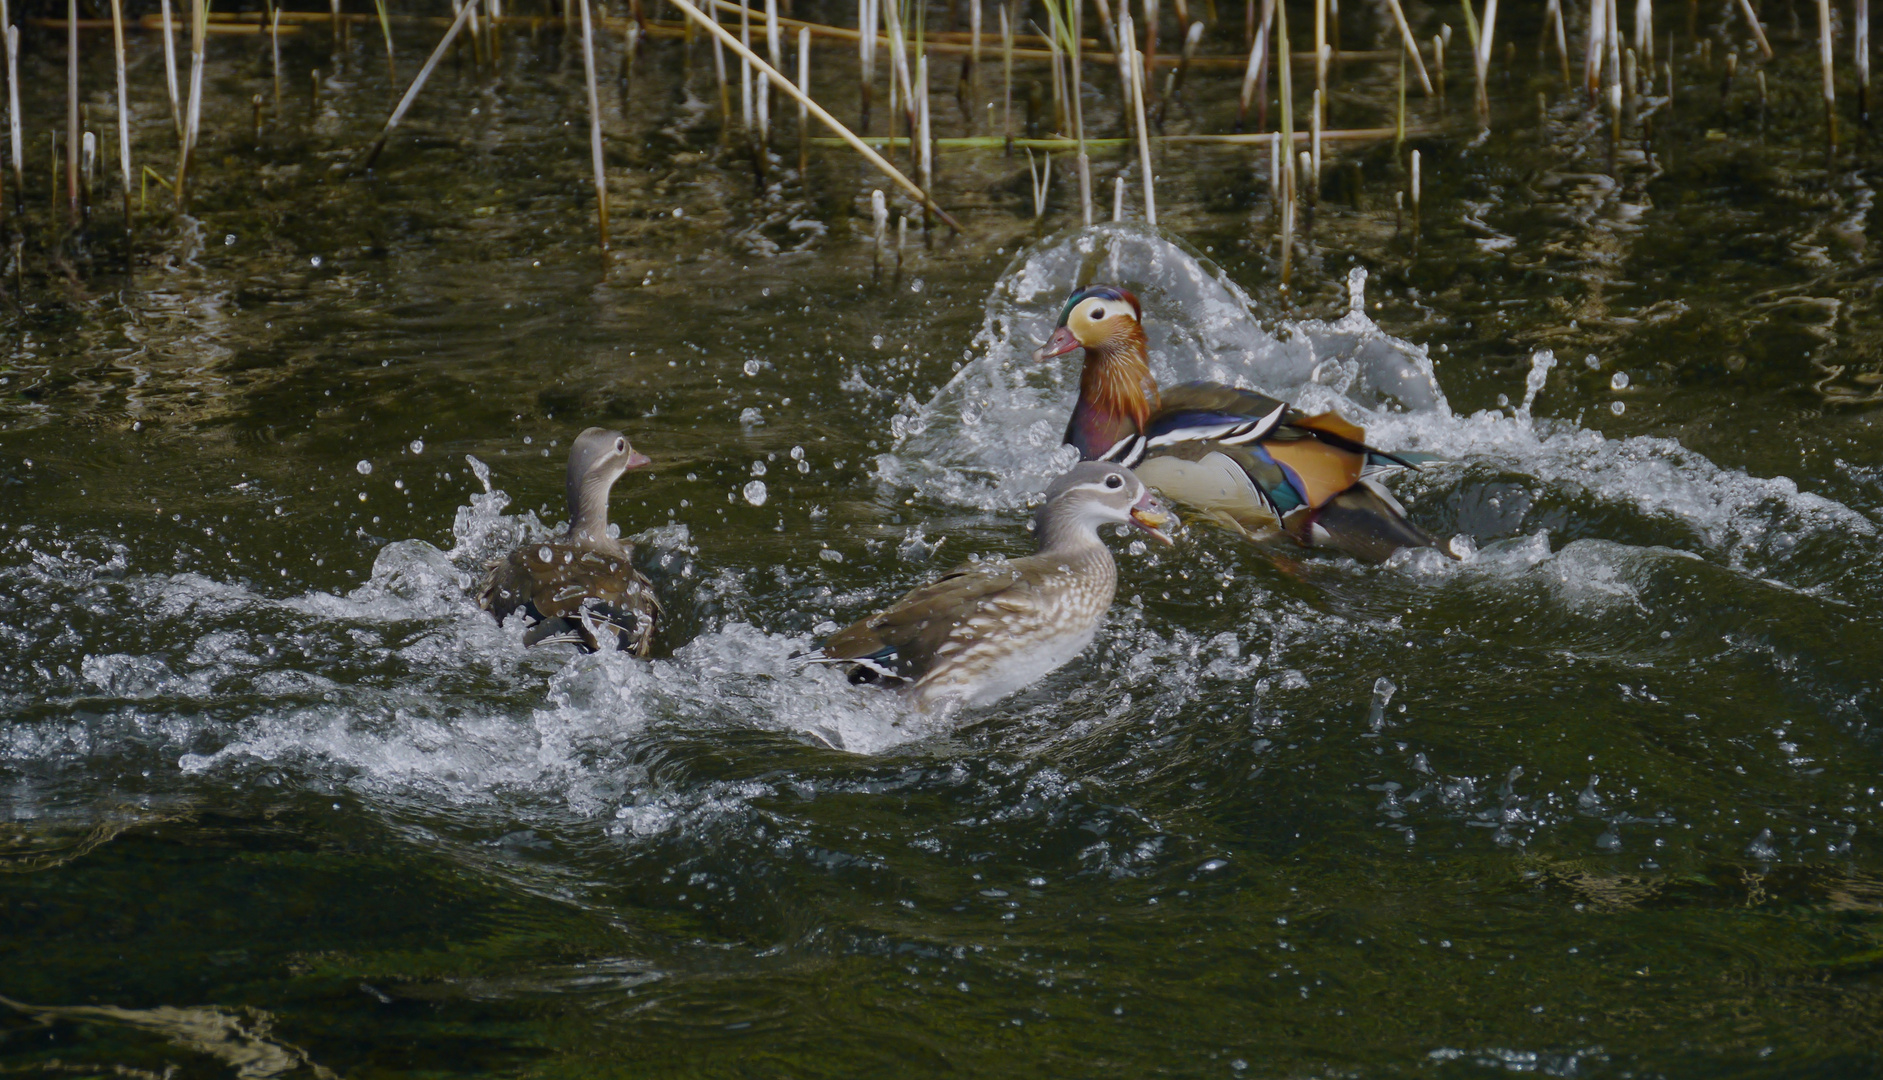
[
  {"x": 597, "y": 459},
  {"x": 1117, "y": 394}
]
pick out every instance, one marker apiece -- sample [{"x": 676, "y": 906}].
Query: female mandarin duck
[
  {"x": 1247, "y": 461},
  {"x": 582, "y": 587},
  {"x": 990, "y": 628}
]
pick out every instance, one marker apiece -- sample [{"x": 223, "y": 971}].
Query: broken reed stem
[
  {"x": 1411, "y": 46},
  {"x": 879, "y": 214},
  {"x": 1830, "y": 88},
  {"x": 719, "y": 32},
  {"x": 411, "y": 93},
  {"x": 1042, "y": 182},
  {"x": 594, "y": 123},
  {"x": 1175, "y": 86},
  {"x": 1006, "y": 75},
  {"x": 1562, "y": 38},
  {"x": 745, "y": 73},
  {"x": 1415, "y": 196},
  {"x": 274, "y": 51},
  {"x": 1255, "y": 75},
  {"x": 71, "y": 110},
  {"x": 1399, "y": 117},
  {"x": 1758, "y": 32},
  {"x": 974, "y": 61},
  {"x": 1061, "y": 120},
  {"x": 775, "y": 49},
  {"x": 1592, "y": 54},
  {"x": 1644, "y": 37},
  {"x": 124, "y": 108}
]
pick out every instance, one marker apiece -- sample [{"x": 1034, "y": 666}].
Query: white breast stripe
[
  {"x": 1262, "y": 427},
  {"x": 1112, "y": 454},
  {"x": 1199, "y": 434}
]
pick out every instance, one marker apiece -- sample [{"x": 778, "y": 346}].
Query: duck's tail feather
[{"x": 1364, "y": 521}]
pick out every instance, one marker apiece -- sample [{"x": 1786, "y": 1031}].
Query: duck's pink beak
[
  {"x": 1061, "y": 343},
  {"x": 1153, "y": 516},
  {"x": 636, "y": 459}
]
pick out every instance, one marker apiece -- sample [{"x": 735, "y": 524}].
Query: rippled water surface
[{"x": 277, "y": 799}]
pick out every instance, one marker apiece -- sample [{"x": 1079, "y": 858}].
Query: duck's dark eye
[
  {"x": 1114, "y": 481},
  {"x": 1098, "y": 314},
  {"x": 621, "y": 446}
]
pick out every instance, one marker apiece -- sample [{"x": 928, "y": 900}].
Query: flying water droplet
[
  {"x": 365, "y": 467},
  {"x": 1618, "y": 381},
  {"x": 1383, "y": 690},
  {"x": 755, "y": 493}
]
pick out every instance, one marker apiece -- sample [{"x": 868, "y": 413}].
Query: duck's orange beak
[{"x": 1061, "y": 343}]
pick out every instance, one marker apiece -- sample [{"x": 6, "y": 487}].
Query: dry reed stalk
[
  {"x": 1006, "y": 74},
  {"x": 1399, "y": 117},
  {"x": 973, "y": 79},
  {"x": 686, "y": 7},
  {"x": 1405, "y": 36},
  {"x": 1042, "y": 182},
  {"x": 1483, "y": 61},
  {"x": 775, "y": 51},
  {"x": 804, "y": 117},
  {"x": 385, "y": 31},
  {"x": 1416, "y": 183},
  {"x": 866, "y": 59},
  {"x": 124, "y": 108},
  {"x": 12, "y": 36},
  {"x": 1105, "y": 24},
  {"x": 1758, "y": 32},
  {"x": 1255, "y": 76},
  {"x": 1592, "y": 56},
  {"x": 1320, "y": 46},
  {"x": 193, "y": 114},
  {"x": 1147, "y": 58},
  {"x": 1314, "y": 153},
  {"x": 594, "y": 123},
  {"x": 1191, "y": 39},
  {"x": 745, "y": 72},
  {"x": 1118, "y": 198},
  {"x": 1438, "y": 65},
  {"x": 1644, "y": 35},
  {"x": 1284, "y": 73},
  {"x": 411, "y": 93},
  {"x": 902, "y": 240},
  {"x": 71, "y": 110},
  {"x": 1069, "y": 145},
  {"x": 1061, "y": 121},
  {"x": 725, "y": 91},
  {"x": 926, "y": 154},
  {"x": 1074, "y": 47},
  {"x": 879, "y": 213},
  {"x": 170, "y": 68},
  {"x": 1863, "y": 60},
  {"x": 1562, "y": 39},
  {"x": 274, "y": 53},
  {"x": 1830, "y": 86},
  {"x": 1128, "y": 41}
]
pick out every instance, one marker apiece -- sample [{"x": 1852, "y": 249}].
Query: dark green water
[{"x": 278, "y": 800}]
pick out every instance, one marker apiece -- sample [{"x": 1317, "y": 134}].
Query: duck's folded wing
[
  {"x": 565, "y": 590},
  {"x": 902, "y": 642}
]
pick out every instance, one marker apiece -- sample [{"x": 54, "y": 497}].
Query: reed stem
[
  {"x": 1830, "y": 86},
  {"x": 10, "y": 44},
  {"x": 1862, "y": 35},
  {"x": 124, "y": 108},
  {"x": 1482, "y": 60},
  {"x": 385, "y": 31},
  {"x": 1758, "y": 32},
  {"x": 193, "y": 114},
  {"x": 71, "y": 111},
  {"x": 686, "y": 7},
  {"x": 1128, "y": 42},
  {"x": 1006, "y": 74},
  {"x": 1411, "y": 46},
  {"x": 1284, "y": 74},
  {"x": 804, "y": 117},
  {"x": 594, "y": 123},
  {"x": 411, "y": 93}
]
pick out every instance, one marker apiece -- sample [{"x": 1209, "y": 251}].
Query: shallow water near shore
[{"x": 1598, "y": 798}]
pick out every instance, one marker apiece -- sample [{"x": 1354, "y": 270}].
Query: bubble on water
[
  {"x": 1618, "y": 381},
  {"x": 416, "y": 446},
  {"x": 754, "y": 492},
  {"x": 364, "y": 467},
  {"x": 758, "y": 468},
  {"x": 1617, "y": 407}
]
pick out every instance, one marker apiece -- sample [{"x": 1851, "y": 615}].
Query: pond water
[{"x": 277, "y": 799}]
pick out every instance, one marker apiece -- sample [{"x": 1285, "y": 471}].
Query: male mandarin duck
[
  {"x": 991, "y": 628},
  {"x": 1248, "y": 462},
  {"x": 581, "y": 587}
]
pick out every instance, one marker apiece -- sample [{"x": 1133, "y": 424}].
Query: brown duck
[{"x": 581, "y": 587}]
